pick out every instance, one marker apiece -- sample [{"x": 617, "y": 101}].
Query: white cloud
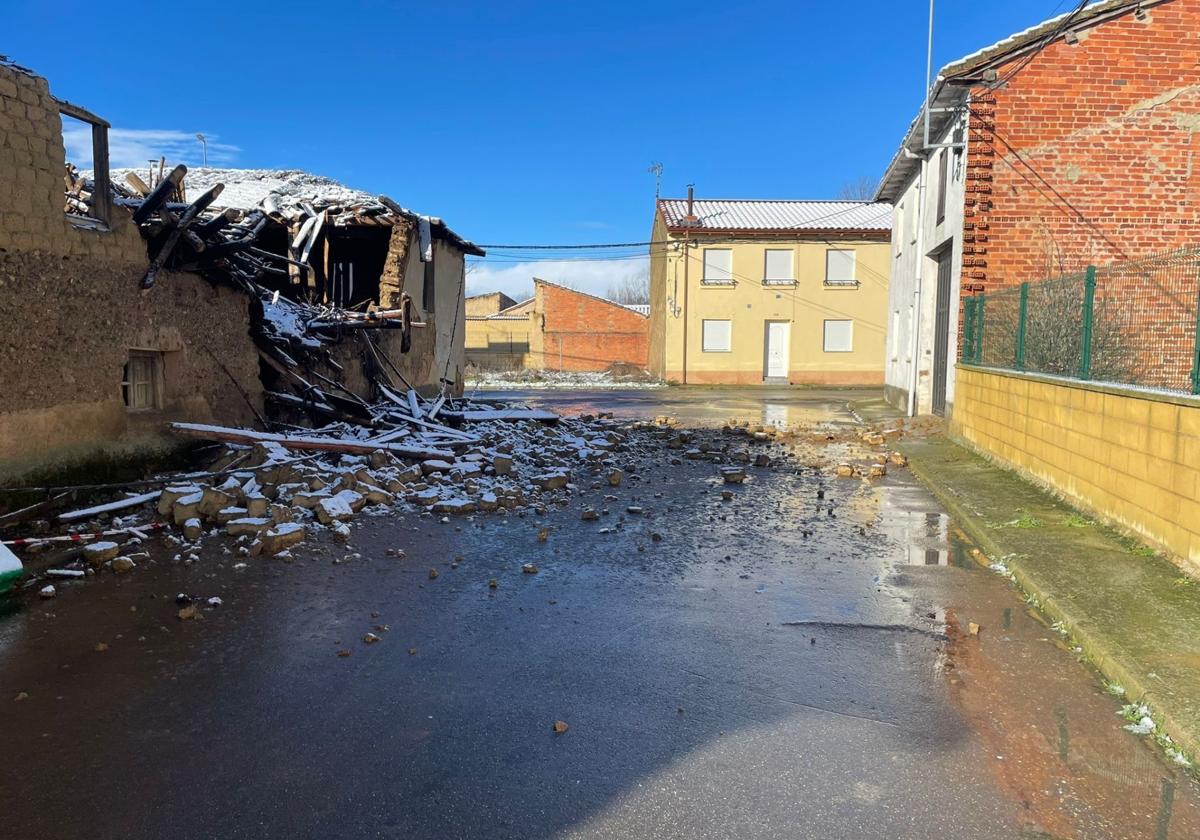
[
  {"x": 135, "y": 147},
  {"x": 591, "y": 276}
]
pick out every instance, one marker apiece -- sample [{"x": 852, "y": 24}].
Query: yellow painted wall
[
  {"x": 499, "y": 343},
  {"x": 749, "y": 304},
  {"x": 1132, "y": 458}
]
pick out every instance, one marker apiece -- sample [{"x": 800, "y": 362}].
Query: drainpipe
[{"x": 918, "y": 277}]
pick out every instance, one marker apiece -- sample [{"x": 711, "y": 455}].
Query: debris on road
[{"x": 560, "y": 726}]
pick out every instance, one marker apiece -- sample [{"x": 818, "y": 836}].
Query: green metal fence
[{"x": 1134, "y": 323}]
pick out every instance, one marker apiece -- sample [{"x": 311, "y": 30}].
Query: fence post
[
  {"x": 1196, "y": 349},
  {"x": 969, "y": 330},
  {"x": 1089, "y": 303},
  {"x": 1020, "y": 360},
  {"x": 981, "y": 301}
]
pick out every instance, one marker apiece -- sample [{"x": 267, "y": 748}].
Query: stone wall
[
  {"x": 1130, "y": 456},
  {"x": 72, "y": 310}
]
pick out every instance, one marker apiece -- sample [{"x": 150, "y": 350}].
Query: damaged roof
[
  {"x": 783, "y": 216},
  {"x": 950, "y": 89},
  {"x": 247, "y": 189}
]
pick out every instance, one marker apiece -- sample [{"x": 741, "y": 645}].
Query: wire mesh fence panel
[
  {"x": 998, "y": 332},
  {"x": 1145, "y": 321},
  {"x": 1054, "y": 326},
  {"x": 1134, "y": 323}
]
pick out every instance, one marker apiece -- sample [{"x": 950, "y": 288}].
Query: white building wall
[{"x": 905, "y": 266}]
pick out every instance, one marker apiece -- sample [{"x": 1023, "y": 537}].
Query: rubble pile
[{"x": 270, "y": 495}]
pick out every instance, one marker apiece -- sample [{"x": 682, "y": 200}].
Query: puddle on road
[
  {"x": 816, "y": 413},
  {"x": 926, "y": 534},
  {"x": 1056, "y": 740}
]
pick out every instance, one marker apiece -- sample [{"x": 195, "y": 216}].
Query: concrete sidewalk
[{"x": 1135, "y": 614}]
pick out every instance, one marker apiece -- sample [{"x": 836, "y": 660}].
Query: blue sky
[{"x": 517, "y": 122}]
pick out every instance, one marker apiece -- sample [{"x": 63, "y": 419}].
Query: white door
[{"x": 779, "y": 335}]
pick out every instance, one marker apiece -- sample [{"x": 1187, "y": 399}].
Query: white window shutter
[
  {"x": 716, "y": 336},
  {"x": 839, "y": 266},
  {"x": 718, "y": 264},
  {"x": 778, "y": 265},
  {"x": 839, "y": 336}
]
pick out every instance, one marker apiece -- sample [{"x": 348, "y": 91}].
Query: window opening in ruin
[
  {"x": 85, "y": 177},
  {"x": 357, "y": 256},
  {"x": 428, "y": 288},
  {"x": 141, "y": 385}
]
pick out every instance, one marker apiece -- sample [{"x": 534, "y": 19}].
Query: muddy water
[{"x": 794, "y": 662}]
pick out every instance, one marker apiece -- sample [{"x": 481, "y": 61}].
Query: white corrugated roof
[{"x": 720, "y": 214}]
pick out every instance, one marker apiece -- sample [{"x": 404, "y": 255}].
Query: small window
[
  {"x": 943, "y": 180},
  {"x": 777, "y": 266},
  {"x": 85, "y": 138},
  {"x": 428, "y": 287},
  {"x": 715, "y": 336},
  {"x": 839, "y": 336},
  {"x": 141, "y": 387},
  {"x": 839, "y": 268},
  {"x": 718, "y": 265}
]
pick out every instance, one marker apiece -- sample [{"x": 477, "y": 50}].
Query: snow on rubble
[{"x": 270, "y": 495}]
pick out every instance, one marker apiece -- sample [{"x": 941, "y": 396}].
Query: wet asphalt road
[{"x": 736, "y": 679}]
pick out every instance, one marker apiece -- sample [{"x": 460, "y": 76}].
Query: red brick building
[
  {"x": 1073, "y": 143},
  {"x": 582, "y": 332},
  {"x": 1086, "y": 149}
]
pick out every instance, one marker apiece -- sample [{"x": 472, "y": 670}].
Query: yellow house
[{"x": 745, "y": 292}]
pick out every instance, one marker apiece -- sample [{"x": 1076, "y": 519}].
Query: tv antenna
[{"x": 656, "y": 169}]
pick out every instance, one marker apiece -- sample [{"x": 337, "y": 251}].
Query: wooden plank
[
  {"x": 309, "y": 444},
  {"x": 120, "y": 504},
  {"x": 137, "y": 184}
]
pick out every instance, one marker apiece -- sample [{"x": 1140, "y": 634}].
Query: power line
[
  {"x": 1057, "y": 198},
  {"x": 1045, "y": 42},
  {"x": 575, "y": 247}
]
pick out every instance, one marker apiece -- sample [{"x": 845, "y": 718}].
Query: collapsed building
[{"x": 237, "y": 297}]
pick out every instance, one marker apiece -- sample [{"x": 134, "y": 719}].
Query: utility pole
[{"x": 688, "y": 221}]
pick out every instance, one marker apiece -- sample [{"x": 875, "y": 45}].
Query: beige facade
[{"x": 746, "y": 307}]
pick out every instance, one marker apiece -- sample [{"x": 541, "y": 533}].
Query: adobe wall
[{"x": 72, "y": 310}]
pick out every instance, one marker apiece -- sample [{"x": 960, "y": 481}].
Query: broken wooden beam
[
  {"x": 109, "y": 507},
  {"x": 310, "y": 444}
]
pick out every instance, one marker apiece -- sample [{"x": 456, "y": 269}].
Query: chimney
[{"x": 691, "y": 218}]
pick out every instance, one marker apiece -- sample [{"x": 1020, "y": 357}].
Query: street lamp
[{"x": 204, "y": 145}]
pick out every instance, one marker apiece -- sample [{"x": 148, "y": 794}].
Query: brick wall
[
  {"x": 585, "y": 333},
  {"x": 1091, "y": 154},
  {"x": 1130, "y": 457},
  {"x": 71, "y": 309}
]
